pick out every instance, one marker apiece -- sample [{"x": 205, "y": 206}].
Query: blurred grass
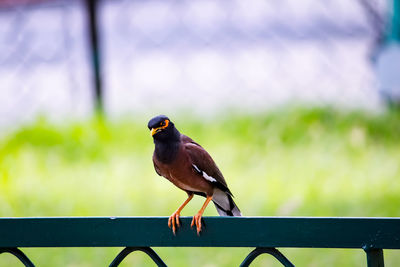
[{"x": 291, "y": 162}]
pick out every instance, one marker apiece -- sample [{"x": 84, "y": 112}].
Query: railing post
[{"x": 374, "y": 257}]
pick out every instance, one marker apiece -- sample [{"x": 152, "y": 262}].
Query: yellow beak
[{"x": 154, "y": 131}]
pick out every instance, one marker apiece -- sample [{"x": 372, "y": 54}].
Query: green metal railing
[{"x": 265, "y": 234}]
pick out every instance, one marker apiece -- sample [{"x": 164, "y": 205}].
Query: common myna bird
[{"x": 188, "y": 166}]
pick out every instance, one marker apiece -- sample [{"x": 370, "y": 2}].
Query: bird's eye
[{"x": 162, "y": 123}]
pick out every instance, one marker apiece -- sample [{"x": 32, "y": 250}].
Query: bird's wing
[{"x": 203, "y": 164}]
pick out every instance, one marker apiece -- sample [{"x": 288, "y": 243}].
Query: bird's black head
[{"x": 162, "y": 128}]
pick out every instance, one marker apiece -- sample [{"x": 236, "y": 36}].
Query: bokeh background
[{"x": 297, "y": 102}]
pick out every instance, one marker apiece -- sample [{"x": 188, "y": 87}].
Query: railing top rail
[{"x": 320, "y": 232}]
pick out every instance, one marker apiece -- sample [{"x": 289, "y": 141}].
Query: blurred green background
[
  {"x": 287, "y": 162},
  {"x": 239, "y": 68}
]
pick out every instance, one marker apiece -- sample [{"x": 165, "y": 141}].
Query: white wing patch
[
  {"x": 196, "y": 168},
  {"x": 204, "y": 174},
  {"x": 209, "y": 178}
]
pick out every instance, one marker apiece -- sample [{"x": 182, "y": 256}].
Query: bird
[{"x": 190, "y": 167}]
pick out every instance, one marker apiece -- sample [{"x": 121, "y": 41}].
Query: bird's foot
[
  {"x": 173, "y": 221},
  {"x": 197, "y": 221}
]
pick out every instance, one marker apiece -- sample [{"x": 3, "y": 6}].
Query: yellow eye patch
[{"x": 162, "y": 126}]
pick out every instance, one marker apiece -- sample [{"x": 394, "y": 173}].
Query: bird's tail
[{"x": 224, "y": 204}]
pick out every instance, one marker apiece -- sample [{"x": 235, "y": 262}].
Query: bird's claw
[
  {"x": 197, "y": 221},
  {"x": 173, "y": 221}
]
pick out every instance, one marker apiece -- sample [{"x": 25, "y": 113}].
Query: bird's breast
[
  {"x": 183, "y": 176},
  {"x": 182, "y": 184}
]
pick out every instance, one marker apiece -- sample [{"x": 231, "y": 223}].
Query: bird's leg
[
  {"x": 197, "y": 218},
  {"x": 174, "y": 218}
]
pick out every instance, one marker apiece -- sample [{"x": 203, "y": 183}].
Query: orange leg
[
  {"x": 174, "y": 218},
  {"x": 197, "y": 218}
]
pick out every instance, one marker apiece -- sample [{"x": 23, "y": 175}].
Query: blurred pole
[
  {"x": 394, "y": 34},
  {"x": 93, "y": 29},
  {"x": 388, "y": 60}
]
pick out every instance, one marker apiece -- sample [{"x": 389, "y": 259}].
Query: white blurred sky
[{"x": 200, "y": 56}]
